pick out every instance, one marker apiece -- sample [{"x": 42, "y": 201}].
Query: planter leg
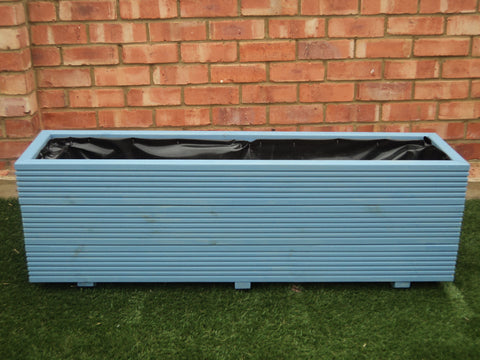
[
  {"x": 401, "y": 284},
  {"x": 85, "y": 284},
  {"x": 242, "y": 285}
]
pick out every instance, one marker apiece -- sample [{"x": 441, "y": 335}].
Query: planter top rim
[{"x": 30, "y": 154}]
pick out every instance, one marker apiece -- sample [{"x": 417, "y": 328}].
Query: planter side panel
[{"x": 192, "y": 223}]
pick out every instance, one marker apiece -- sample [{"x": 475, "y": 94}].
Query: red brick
[
  {"x": 59, "y": 34},
  {"x": 123, "y": 118},
  {"x": 408, "y": 111},
  {"x": 473, "y": 130},
  {"x": 41, "y": 11},
  {"x": 178, "y": 31},
  {"x": 325, "y": 49},
  {"x": 212, "y": 95},
  {"x": 15, "y": 60},
  {"x": 17, "y": 83},
  {"x": 209, "y": 52},
  {"x": 267, "y": 51},
  {"x": 12, "y": 149},
  {"x": 462, "y": 68},
  {"x": 180, "y": 74},
  {"x": 150, "y": 96},
  {"x": 238, "y": 73},
  {"x": 19, "y": 105},
  {"x": 208, "y": 8},
  {"x": 69, "y": 120},
  {"x": 441, "y": 90},
  {"x": 441, "y": 47},
  {"x": 46, "y": 56},
  {"x": 87, "y": 10},
  {"x": 447, "y": 6},
  {"x": 391, "y": 128},
  {"x": 463, "y": 25},
  {"x": 329, "y": 7},
  {"x": 239, "y": 116},
  {"x": 224, "y": 128},
  {"x": 148, "y": 9},
  {"x": 296, "y": 28},
  {"x": 118, "y": 33},
  {"x": 354, "y": 70},
  {"x": 326, "y": 128},
  {"x": 297, "y": 71},
  {"x": 13, "y": 38},
  {"x": 365, "y": 128},
  {"x": 269, "y": 7},
  {"x": 476, "y": 47},
  {"x": 258, "y": 94},
  {"x": 474, "y": 173},
  {"x": 351, "y": 113},
  {"x": 63, "y": 77},
  {"x": 476, "y": 88},
  {"x": 459, "y": 110},
  {"x": 237, "y": 29},
  {"x": 13, "y": 14},
  {"x": 415, "y": 25},
  {"x": 326, "y": 92},
  {"x": 384, "y": 48},
  {"x": 19, "y": 128},
  {"x": 182, "y": 117},
  {"x": 356, "y": 27},
  {"x": 389, "y": 7},
  {"x": 122, "y": 75},
  {"x": 384, "y": 91},
  {"x": 90, "y": 55},
  {"x": 150, "y": 54},
  {"x": 469, "y": 151},
  {"x": 296, "y": 114},
  {"x": 411, "y": 69},
  {"x": 96, "y": 98},
  {"x": 447, "y": 130},
  {"x": 48, "y": 99}
]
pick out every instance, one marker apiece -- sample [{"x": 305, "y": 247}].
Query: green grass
[{"x": 214, "y": 321}]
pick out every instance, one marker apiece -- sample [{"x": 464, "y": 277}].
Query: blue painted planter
[{"x": 241, "y": 221}]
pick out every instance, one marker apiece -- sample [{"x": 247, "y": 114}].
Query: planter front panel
[{"x": 240, "y": 221}]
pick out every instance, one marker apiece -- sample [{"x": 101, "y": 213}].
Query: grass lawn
[{"x": 214, "y": 321}]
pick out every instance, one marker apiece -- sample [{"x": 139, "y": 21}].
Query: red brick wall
[
  {"x": 19, "y": 118},
  {"x": 326, "y": 65}
]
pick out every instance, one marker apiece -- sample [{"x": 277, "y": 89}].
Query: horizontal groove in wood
[
  {"x": 234, "y": 248},
  {"x": 275, "y": 193},
  {"x": 379, "y": 199},
  {"x": 287, "y": 172},
  {"x": 91, "y": 252},
  {"x": 322, "y": 210},
  {"x": 52, "y": 278},
  {"x": 246, "y": 233},
  {"x": 233, "y": 192},
  {"x": 245, "y": 272},
  {"x": 217, "y": 242},
  {"x": 202, "y": 258},
  {"x": 218, "y": 221},
  {"x": 232, "y": 232},
  {"x": 245, "y": 268},
  {"x": 264, "y": 183}
]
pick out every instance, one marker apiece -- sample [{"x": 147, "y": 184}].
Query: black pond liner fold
[{"x": 266, "y": 149}]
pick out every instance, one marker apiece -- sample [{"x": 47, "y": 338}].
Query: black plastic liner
[{"x": 267, "y": 149}]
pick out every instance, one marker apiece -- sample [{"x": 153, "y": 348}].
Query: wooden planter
[{"x": 242, "y": 221}]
